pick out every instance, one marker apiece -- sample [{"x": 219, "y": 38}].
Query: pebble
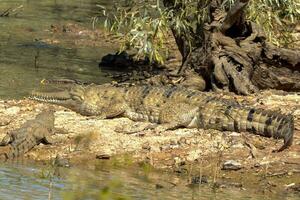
[
  {"x": 193, "y": 155},
  {"x": 231, "y": 165},
  {"x": 196, "y": 180},
  {"x": 5, "y": 120},
  {"x": 103, "y": 156}
]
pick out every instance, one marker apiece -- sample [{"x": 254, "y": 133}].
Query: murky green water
[
  {"x": 25, "y": 60},
  {"x": 33, "y": 181}
]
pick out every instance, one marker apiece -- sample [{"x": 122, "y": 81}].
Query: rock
[
  {"x": 146, "y": 146},
  {"x": 103, "y": 156},
  {"x": 293, "y": 187},
  {"x": 193, "y": 155},
  {"x": 257, "y": 165},
  {"x": 159, "y": 186},
  {"x": 5, "y": 120},
  {"x": 231, "y": 165},
  {"x": 117, "y": 61},
  {"x": 178, "y": 161},
  {"x": 12, "y": 110},
  {"x": 196, "y": 180}
]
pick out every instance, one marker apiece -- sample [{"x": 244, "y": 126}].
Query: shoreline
[{"x": 232, "y": 159}]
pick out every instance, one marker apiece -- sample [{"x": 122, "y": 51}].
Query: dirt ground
[{"x": 238, "y": 159}]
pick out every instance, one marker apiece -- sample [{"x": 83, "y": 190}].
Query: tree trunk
[{"x": 232, "y": 54}]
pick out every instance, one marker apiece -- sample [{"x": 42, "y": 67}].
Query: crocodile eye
[
  {"x": 77, "y": 93},
  {"x": 239, "y": 68},
  {"x": 77, "y": 98}
]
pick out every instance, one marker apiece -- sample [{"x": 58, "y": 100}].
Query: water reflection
[
  {"x": 23, "y": 180},
  {"x": 25, "y": 59}
]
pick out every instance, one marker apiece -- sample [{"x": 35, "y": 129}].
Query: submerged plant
[{"x": 89, "y": 189}]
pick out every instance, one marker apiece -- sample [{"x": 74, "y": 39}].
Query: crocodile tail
[{"x": 233, "y": 117}]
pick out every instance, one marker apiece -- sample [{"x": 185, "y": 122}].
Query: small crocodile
[
  {"x": 31, "y": 133},
  {"x": 173, "y": 107}
]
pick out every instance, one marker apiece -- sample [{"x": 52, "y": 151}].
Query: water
[
  {"x": 25, "y": 59},
  {"x": 34, "y": 181}
]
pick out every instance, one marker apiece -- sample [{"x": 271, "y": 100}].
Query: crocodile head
[
  {"x": 91, "y": 100},
  {"x": 72, "y": 98},
  {"x": 46, "y": 118}
]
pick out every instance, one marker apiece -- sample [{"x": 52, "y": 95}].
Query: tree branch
[{"x": 234, "y": 15}]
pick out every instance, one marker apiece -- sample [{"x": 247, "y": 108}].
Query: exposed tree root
[{"x": 233, "y": 55}]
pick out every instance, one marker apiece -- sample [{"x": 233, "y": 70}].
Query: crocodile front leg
[
  {"x": 6, "y": 140},
  {"x": 49, "y": 140}
]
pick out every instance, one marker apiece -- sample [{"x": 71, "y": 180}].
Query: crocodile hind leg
[{"x": 182, "y": 115}]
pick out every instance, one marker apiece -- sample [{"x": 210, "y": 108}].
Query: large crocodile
[
  {"x": 172, "y": 107},
  {"x": 30, "y": 134}
]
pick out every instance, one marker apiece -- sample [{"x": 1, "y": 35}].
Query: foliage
[
  {"x": 144, "y": 25},
  {"x": 276, "y": 18}
]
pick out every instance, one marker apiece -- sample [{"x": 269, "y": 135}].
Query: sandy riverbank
[{"x": 220, "y": 156}]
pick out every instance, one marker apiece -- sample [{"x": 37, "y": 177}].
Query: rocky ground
[{"x": 237, "y": 159}]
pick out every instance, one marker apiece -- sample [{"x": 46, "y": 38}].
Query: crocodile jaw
[
  {"x": 58, "y": 98},
  {"x": 73, "y": 100}
]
